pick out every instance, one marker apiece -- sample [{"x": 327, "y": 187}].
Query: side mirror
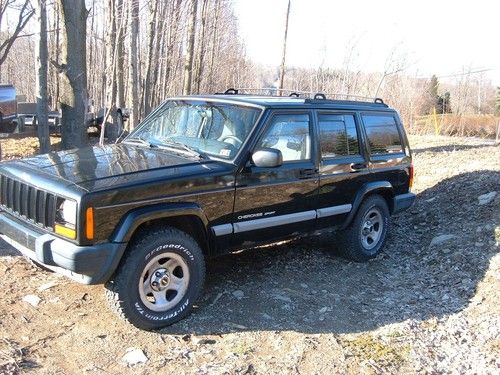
[{"x": 267, "y": 158}]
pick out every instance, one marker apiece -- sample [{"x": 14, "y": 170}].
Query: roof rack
[{"x": 311, "y": 95}]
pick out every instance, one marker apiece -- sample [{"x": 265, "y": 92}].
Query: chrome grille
[{"x": 27, "y": 201}]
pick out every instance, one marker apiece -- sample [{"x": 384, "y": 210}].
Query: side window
[
  {"x": 338, "y": 135},
  {"x": 382, "y": 133},
  {"x": 291, "y": 135}
]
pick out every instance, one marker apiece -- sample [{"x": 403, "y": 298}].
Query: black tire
[
  {"x": 124, "y": 290},
  {"x": 354, "y": 241}
]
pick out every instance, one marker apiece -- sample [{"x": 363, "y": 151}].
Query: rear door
[
  {"x": 273, "y": 202},
  {"x": 388, "y": 159},
  {"x": 343, "y": 165}
]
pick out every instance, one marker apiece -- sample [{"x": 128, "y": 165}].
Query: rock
[
  {"x": 134, "y": 356},
  {"x": 438, "y": 240},
  {"x": 32, "y": 299},
  {"x": 234, "y": 325},
  {"x": 279, "y": 297},
  {"x": 238, "y": 294},
  {"x": 198, "y": 341},
  {"x": 324, "y": 309},
  {"x": 47, "y": 286},
  {"x": 487, "y": 198}
]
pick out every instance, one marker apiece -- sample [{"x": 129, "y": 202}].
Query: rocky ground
[{"x": 428, "y": 304}]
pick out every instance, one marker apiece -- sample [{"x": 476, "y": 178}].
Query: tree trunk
[
  {"x": 42, "y": 57},
  {"x": 108, "y": 124},
  {"x": 119, "y": 60},
  {"x": 188, "y": 65},
  {"x": 283, "y": 58},
  {"x": 133, "y": 103},
  {"x": 73, "y": 68},
  {"x": 202, "y": 47},
  {"x": 151, "y": 38}
]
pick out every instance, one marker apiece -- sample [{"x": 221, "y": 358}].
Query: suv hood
[{"x": 97, "y": 168}]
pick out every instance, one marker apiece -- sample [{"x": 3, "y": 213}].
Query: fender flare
[
  {"x": 134, "y": 218},
  {"x": 368, "y": 189}
]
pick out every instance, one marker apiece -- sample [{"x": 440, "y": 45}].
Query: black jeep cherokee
[{"x": 203, "y": 176}]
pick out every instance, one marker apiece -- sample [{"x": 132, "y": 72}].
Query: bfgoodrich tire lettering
[
  {"x": 366, "y": 235},
  {"x": 159, "y": 279}
]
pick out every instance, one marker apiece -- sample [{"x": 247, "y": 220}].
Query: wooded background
[{"x": 136, "y": 53}]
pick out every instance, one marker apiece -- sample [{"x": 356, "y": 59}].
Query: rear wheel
[
  {"x": 159, "y": 279},
  {"x": 366, "y": 235}
]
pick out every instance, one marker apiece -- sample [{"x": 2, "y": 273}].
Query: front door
[{"x": 275, "y": 202}]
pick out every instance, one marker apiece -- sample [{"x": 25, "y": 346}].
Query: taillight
[{"x": 410, "y": 173}]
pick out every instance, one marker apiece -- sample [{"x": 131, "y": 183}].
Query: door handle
[
  {"x": 308, "y": 172},
  {"x": 356, "y": 167}
]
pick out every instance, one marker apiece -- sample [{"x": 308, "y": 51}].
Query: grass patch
[{"x": 367, "y": 347}]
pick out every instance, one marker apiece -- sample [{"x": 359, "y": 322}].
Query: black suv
[{"x": 203, "y": 176}]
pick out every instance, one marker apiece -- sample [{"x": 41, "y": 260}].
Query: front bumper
[{"x": 85, "y": 264}]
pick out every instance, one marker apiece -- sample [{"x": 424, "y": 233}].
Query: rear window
[{"x": 383, "y": 135}]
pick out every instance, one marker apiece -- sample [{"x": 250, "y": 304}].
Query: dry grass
[{"x": 484, "y": 126}]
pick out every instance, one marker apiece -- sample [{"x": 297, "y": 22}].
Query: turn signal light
[{"x": 89, "y": 223}]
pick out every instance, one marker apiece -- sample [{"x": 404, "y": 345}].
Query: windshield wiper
[
  {"x": 181, "y": 146},
  {"x": 139, "y": 141}
]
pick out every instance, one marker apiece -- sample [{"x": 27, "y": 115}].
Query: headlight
[
  {"x": 65, "y": 222},
  {"x": 66, "y": 212}
]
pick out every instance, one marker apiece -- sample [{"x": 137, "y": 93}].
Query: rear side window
[
  {"x": 383, "y": 135},
  {"x": 338, "y": 136}
]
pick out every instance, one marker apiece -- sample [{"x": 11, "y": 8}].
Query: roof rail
[{"x": 311, "y": 95}]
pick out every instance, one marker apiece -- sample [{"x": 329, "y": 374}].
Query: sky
[{"x": 439, "y": 37}]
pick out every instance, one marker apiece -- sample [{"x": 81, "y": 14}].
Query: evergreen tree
[
  {"x": 443, "y": 103},
  {"x": 433, "y": 94}
]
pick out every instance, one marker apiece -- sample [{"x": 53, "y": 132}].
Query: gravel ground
[{"x": 428, "y": 304}]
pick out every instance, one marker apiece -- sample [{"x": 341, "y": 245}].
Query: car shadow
[{"x": 303, "y": 286}]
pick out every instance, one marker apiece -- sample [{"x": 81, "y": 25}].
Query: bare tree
[
  {"x": 146, "y": 99},
  {"x": 188, "y": 64},
  {"x": 42, "y": 57},
  {"x": 133, "y": 53},
  {"x": 283, "y": 57},
  {"x": 73, "y": 68},
  {"x": 26, "y": 11}
]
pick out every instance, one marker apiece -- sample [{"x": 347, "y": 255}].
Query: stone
[
  {"x": 134, "y": 356},
  {"x": 487, "y": 198},
  {"x": 438, "y": 240},
  {"x": 238, "y": 294},
  {"x": 32, "y": 299}
]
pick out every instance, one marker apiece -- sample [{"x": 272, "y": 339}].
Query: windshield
[{"x": 204, "y": 128}]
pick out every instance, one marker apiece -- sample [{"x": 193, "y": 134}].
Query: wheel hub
[{"x": 160, "y": 279}]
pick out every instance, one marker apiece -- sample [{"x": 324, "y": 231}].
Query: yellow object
[
  {"x": 66, "y": 232},
  {"x": 89, "y": 223},
  {"x": 437, "y": 123}
]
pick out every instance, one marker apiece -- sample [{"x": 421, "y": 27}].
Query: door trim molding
[
  {"x": 267, "y": 222},
  {"x": 334, "y": 210}
]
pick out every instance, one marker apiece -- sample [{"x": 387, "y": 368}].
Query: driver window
[{"x": 291, "y": 135}]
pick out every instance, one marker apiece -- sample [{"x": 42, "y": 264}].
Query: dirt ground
[{"x": 297, "y": 307}]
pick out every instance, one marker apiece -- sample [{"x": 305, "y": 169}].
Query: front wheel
[
  {"x": 159, "y": 279},
  {"x": 366, "y": 235}
]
